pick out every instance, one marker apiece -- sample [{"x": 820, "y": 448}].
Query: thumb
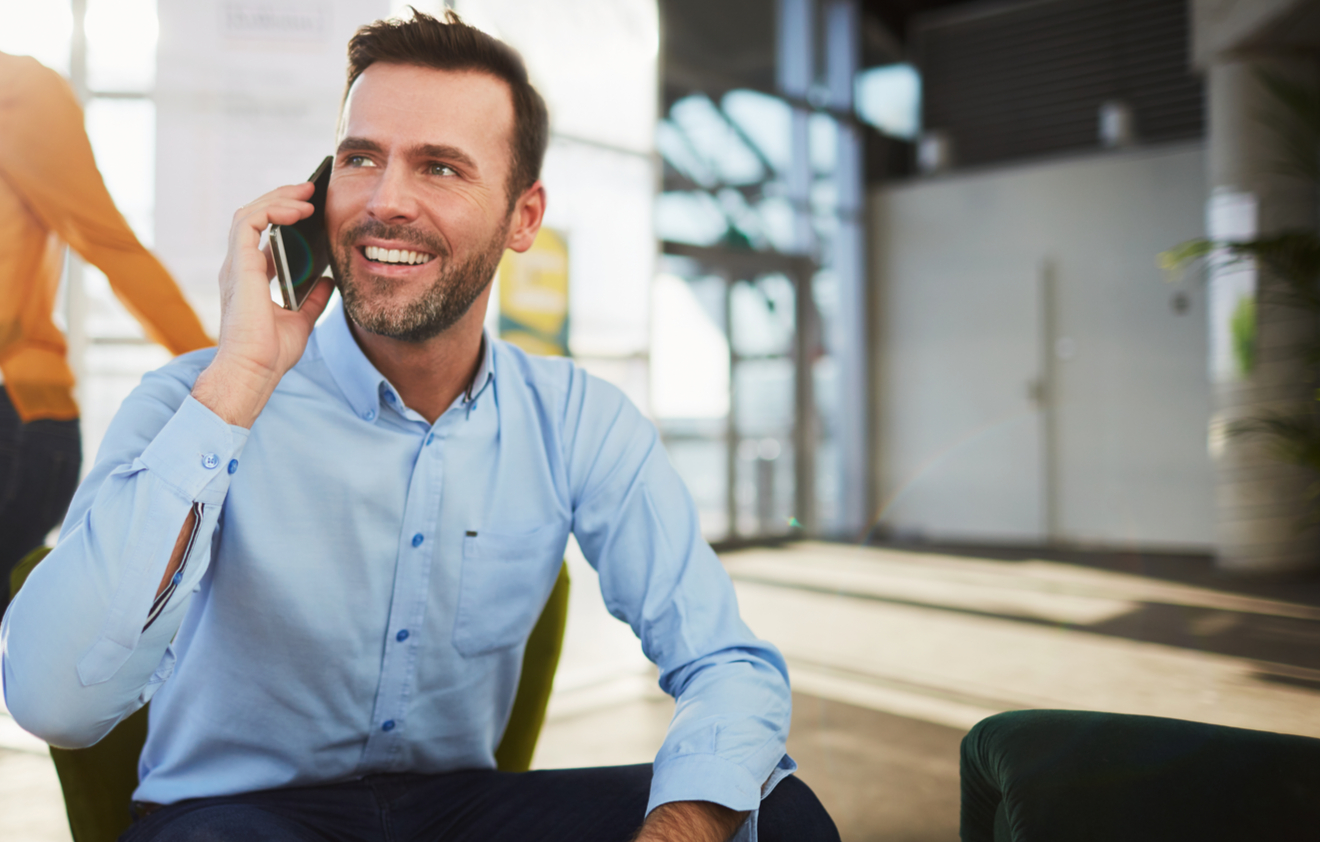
[{"x": 316, "y": 300}]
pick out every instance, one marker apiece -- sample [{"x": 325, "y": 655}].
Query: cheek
[
  {"x": 343, "y": 201},
  {"x": 471, "y": 221},
  {"x": 457, "y": 203}
]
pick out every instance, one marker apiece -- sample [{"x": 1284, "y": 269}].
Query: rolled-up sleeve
[
  {"x": 637, "y": 525},
  {"x": 84, "y": 643}
]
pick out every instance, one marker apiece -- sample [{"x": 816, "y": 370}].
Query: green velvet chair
[
  {"x": 1069, "y": 776},
  {"x": 98, "y": 782}
]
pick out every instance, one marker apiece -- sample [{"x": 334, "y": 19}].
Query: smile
[{"x": 376, "y": 254}]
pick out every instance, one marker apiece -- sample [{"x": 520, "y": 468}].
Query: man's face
[{"x": 417, "y": 210}]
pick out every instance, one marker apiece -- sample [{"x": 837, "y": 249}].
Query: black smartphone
[{"x": 302, "y": 250}]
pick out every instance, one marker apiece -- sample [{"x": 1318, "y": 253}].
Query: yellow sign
[{"x": 534, "y": 296}]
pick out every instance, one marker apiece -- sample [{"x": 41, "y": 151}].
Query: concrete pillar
[
  {"x": 843, "y": 45},
  {"x": 1262, "y": 503}
]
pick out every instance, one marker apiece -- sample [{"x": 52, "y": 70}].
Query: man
[
  {"x": 372, "y": 516},
  {"x": 52, "y": 194}
]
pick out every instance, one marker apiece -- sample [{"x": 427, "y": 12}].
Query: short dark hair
[{"x": 451, "y": 44}]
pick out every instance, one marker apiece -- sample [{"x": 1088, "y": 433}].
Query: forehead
[{"x": 403, "y": 104}]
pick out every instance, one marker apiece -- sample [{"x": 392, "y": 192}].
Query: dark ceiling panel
[
  {"x": 717, "y": 45},
  {"x": 1027, "y": 79},
  {"x": 896, "y": 14}
]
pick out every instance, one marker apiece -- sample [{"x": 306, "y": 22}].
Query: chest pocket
[{"x": 506, "y": 579}]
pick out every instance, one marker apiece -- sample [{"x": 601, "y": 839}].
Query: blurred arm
[{"x": 47, "y": 159}]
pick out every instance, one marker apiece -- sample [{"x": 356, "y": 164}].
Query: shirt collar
[
  {"x": 359, "y": 380},
  {"x": 485, "y": 371}
]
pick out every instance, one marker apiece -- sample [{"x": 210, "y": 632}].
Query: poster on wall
[
  {"x": 1231, "y": 217},
  {"x": 533, "y": 289}
]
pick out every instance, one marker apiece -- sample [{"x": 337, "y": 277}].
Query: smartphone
[{"x": 302, "y": 250}]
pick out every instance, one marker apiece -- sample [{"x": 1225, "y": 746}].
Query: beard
[{"x": 368, "y": 300}]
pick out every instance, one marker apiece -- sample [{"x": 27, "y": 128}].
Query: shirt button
[
  {"x": 387, "y": 725},
  {"x": 233, "y": 465},
  {"x": 430, "y": 437},
  {"x": 210, "y": 460},
  {"x": 402, "y": 635},
  {"x": 418, "y": 539},
  {"x": 369, "y": 414},
  {"x": 389, "y": 396}
]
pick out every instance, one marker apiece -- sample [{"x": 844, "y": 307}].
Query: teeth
[{"x": 382, "y": 255}]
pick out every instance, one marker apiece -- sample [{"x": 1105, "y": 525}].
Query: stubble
[{"x": 368, "y": 299}]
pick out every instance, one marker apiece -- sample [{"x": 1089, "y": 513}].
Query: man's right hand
[{"x": 259, "y": 340}]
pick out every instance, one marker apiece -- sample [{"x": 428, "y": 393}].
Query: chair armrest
[{"x": 1077, "y": 775}]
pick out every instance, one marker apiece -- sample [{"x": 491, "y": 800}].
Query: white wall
[{"x": 957, "y": 271}]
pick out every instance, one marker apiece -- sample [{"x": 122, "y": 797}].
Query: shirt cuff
[
  {"x": 195, "y": 453},
  {"x": 709, "y": 777}
]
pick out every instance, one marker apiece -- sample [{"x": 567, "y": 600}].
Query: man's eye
[
  {"x": 442, "y": 169},
  {"x": 359, "y": 161}
]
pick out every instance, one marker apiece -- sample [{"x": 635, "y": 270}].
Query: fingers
[
  {"x": 247, "y": 257},
  {"x": 314, "y": 304},
  {"x": 299, "y": 193},
  {"x": 302, "y": 190},
  {"x": 281, "y": 206},
  {"x": 255, "y": 217}
]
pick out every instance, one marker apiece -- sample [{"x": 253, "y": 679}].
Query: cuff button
[{"x": 210, "y": 460}]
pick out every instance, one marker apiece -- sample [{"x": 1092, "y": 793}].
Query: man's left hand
[{"x": 690, "y": 821}]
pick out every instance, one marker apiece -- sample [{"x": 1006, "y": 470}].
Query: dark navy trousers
[
  {"x": 583, "y": 805},
  {"x": 39, "y": 464}
]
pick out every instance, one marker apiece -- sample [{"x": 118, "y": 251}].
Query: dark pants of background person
[
  {"x": 39, "y": 464},
  {"x": 582, "y": 805}
]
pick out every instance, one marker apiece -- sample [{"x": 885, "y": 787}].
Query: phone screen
[{"x": 302, "y": 250}]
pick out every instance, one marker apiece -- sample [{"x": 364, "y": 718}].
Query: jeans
[
  {"x": 584, "y": 805},
  {"x": 39, "y": 464}
]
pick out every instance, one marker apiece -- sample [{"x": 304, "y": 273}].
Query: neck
[{"x": 429, "y": 375}]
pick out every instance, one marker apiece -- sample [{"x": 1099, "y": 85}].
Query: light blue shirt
[{"x": 359, "y": 591}]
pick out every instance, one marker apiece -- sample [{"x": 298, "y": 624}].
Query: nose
[{"x": 392, "y": 200}]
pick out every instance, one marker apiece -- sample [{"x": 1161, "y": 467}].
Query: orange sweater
[{"x": 50, "y": 194}]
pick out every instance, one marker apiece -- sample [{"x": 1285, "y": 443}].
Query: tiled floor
[{"x": 894, "y": 654}]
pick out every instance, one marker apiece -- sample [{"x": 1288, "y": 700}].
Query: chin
[{"x": 378, "y": 315}]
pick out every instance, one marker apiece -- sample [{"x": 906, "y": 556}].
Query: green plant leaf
[
  {"x": 1242, "y": 325},
  {"x": 1291, "y": 261},
  {"x": 1294, "y": 436},
  {"x": 1184, "y": 253}
]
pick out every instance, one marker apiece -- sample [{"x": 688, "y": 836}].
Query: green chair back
[{"x": 98, "y": 781}]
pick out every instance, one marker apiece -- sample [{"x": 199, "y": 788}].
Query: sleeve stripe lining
[{"x": 162, "y": 598}]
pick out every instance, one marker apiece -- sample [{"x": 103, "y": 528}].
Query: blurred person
[
  {"x": 52, "y": 194},
  {"x": 374, "y": 510}
]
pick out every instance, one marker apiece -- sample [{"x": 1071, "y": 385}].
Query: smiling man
[{"x": 319, "y": 552}]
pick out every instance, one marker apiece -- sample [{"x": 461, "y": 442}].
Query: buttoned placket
[{"x": 414, "y": 560}]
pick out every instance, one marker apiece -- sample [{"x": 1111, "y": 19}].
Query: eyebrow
[{"x": 441, "y": 152}]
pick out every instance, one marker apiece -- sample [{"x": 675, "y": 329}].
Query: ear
[{"x": 528, "y": 212}]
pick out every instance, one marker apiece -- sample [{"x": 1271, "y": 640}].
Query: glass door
[{"x": 732, "y": 387}]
